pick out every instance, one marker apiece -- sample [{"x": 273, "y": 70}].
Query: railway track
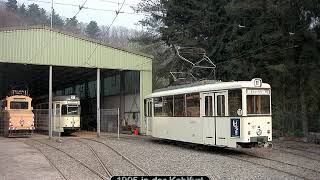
[
  {"x": 272, "y": 168},
  {"x": 121, "y": 155},
  {"x": 304, "y": 150},
  {"x": 285, "y": 163},
  {"x": 77, "y": 160},
  {"x": 297, "y": 154},
  {"x": 47, "y": 158},
  {"x": 246, "y": 159},
  {"x": 107, "y": 171}
]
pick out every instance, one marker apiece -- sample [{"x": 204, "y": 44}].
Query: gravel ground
[
  {"x": 168, "y": 158},
  {"x": 114, "y": 162},
  {"x": 79, "y": 151},
  {"x": 68, "y": 166}
]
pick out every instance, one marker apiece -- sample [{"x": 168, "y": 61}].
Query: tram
[
  {"x": 65, "y": 117},
  {"x": 226, "y": 114},
  {"x": 16, "y": 116}
]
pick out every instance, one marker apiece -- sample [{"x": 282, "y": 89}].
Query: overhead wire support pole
[
  {"x": 50, "y": 102},
  {"x": 98, "y": 103},
  {"x": 51, "y": 20},
  {"x": 50, "y": 82},
  {"x": 118, "y": 123}
]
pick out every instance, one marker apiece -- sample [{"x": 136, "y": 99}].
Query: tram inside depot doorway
[{"x": 118, "y": 100}]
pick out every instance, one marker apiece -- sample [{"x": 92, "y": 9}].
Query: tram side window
[
  {"x": 193, "y": 105},
  {"x": 221, "y": 105},
  {"x": 179, "y": 110},
  {"x": 145, "y": 108},
  {"x": 235, "y": 101},
  {"x": 208, "y": 106},
  {"x": 64, "y": 110},
  {"x": 168, "y": 106},
  {"x": 150, "y": 108},
  {"x": 258, "y": 104},
  {"x": 57, "y": 108},
  {"x": 158, "y": 106}
]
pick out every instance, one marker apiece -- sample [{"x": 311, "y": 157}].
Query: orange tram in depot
[{"x": 16, "y": 116}]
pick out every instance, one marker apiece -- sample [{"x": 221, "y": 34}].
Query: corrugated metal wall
[
  {"x": 145, "y": 89},
  {"x": 42, "y": 46},
  {"x": 47, "y": 47}
]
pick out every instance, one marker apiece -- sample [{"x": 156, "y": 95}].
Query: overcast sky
[{"x": 87, "y": 15}]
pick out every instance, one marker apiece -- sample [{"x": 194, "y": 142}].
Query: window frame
[
  {"x": 230, "y": 110},
  {"x": 220, "y": 105},
  {"x": 154, "y": 107},
  {"x": 67, "y": 108},
  {"x": 24, "y": 102},
  {"x": 209, "y": 106},
  {"x": 199, "y": 103},
  {"x": 258, "y": 114},
  {"x": 184, "y": 105}
]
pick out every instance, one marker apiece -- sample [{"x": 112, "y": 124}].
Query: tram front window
[
  {"x": 18, "y": 105},
  {"x": 69, "y": 110},
  {"x": 258, "y": 104}
]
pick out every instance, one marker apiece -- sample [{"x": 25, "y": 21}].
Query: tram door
[
  {"x": 214, "y": 115},
  {"x": 56, "y": 117},
  {"x": 207, "y": 114},
  {"x": 221, "y": 118},
  {"x": 148, "y": 115}
]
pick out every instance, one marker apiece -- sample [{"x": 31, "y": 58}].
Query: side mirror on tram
[{"x": 239, "y": 112}]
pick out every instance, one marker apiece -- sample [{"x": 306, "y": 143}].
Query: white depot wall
[{"x": 130, "y": 108}]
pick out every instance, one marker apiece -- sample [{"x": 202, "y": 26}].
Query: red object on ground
[{"x": 136, "y": 132}]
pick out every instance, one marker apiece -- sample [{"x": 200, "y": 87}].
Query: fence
[
  {"x": 110, "y": 120},
  {"x": 2, "y": 122},
  {"x": 41, "y": 118}
]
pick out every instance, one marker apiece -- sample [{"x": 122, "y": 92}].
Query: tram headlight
[
  {"x": 268, "y": 131},
  {"x": 259, "y": 132}
]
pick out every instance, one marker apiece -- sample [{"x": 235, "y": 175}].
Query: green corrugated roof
[{"x": 46, "y": 46}]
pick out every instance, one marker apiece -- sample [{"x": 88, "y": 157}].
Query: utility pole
[{"x": 51, "y": 14}]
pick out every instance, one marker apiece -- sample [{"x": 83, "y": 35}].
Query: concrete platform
[{"x": 20, "y": 161}]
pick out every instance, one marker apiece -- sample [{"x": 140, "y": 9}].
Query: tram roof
[
  {"x": 66, "y": 98},
  {"x": 206, "y": 86}
]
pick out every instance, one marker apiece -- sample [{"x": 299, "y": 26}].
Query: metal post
[
  {"x": 51, "y": 20},
  {"x": 118, "y": 123},
  {"x": 50, "y": 102},
  {"x": 98, "y": 102}
]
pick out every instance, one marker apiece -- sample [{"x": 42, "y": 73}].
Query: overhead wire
[
  {"x": 80, "y": 8},
  {"x": 85, "y": 7},
  {"x": 47, "y": 42},
  {"x": 107, "y": 30},
  {"x": 114, "y": 2}
]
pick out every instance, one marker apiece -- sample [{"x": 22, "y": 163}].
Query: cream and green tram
[
  {"x": 65, "y": 114},
  {"x": 227, "y": 114}
]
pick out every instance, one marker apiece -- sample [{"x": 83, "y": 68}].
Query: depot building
[{"x": 52, "y": 63}]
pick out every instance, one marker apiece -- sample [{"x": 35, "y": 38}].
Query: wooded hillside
[{"x": 278, "y": 41}]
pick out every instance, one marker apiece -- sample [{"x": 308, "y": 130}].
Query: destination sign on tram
[{"x": 258, "y": 91}]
